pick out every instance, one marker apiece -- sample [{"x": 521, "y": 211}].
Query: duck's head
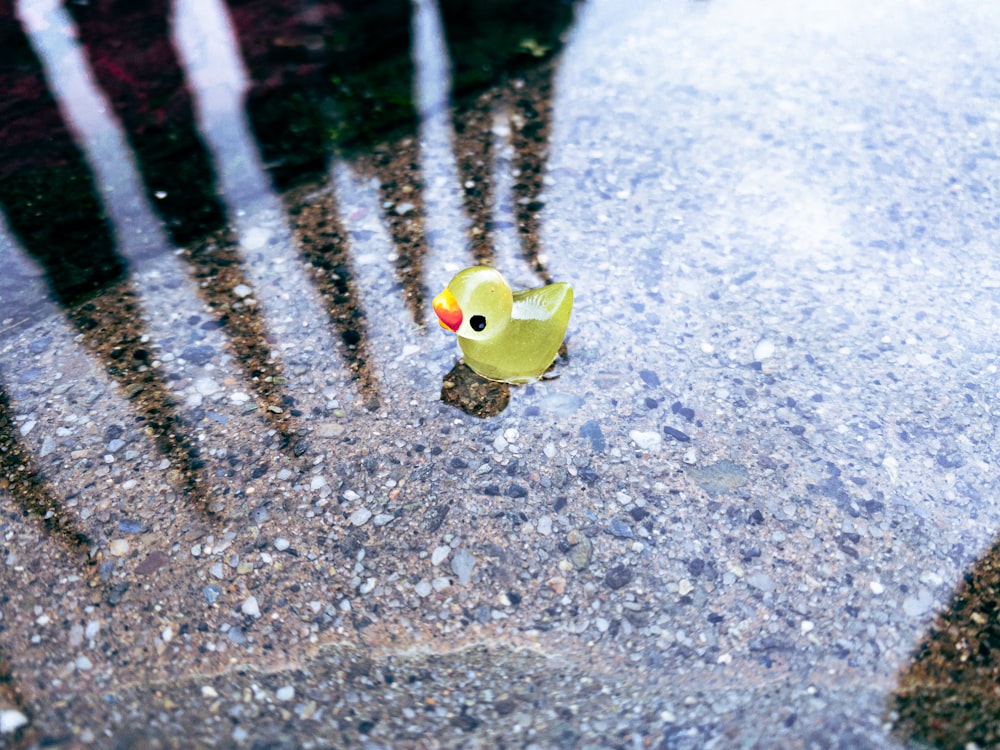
[{"x": 476, "y": 304}]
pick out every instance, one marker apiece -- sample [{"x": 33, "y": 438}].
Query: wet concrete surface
[{"x": 251, "y": 498}]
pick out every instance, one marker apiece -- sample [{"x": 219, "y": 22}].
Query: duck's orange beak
[{"x": 448, "y": 312}]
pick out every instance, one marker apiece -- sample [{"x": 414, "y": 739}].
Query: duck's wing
[{"x": 543, "y": 303}]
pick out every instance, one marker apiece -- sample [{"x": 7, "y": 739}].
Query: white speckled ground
[{"x": 727, "y": 523}]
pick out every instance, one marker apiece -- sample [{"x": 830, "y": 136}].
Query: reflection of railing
[
  {"x": 335, "y": 81},
  {"x": 332, "y": 82},
  {"x": 19, "y": 477}
]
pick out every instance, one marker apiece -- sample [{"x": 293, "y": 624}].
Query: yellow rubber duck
[{"x": 511, "y": 337}]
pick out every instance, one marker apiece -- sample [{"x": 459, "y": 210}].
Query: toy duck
[{"x": 507, "y": 336}]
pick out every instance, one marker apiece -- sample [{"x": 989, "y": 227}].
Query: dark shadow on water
[
  {"x": 949, "y": 694},
  {"x": 479, "y": 397},
  {"x": 474, "y": 394}
]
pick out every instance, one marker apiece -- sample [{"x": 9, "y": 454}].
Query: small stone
[
  {"x": 330, "y": 429},
  {"x": 11, "y": 720},
  {"x": 318, "y": 482},
  {"x": 360, "y": 517},
  {"x": 557, "y": 584},
  {"x": 153, "y": 562},
  {"x": 684, "y": 587},
  {"x": 601, "y": 624},
  {"x": 28, "y": 426},
  {"x": 383, "y": 518},
  {"x": 84, "y": 664},
  {"x": 250, "y": 607},
  {"x": 544, "y": 526},
  {"x": 206, "y": 386},
  {"x": 281, "y": 544},
  {"x": 48, "y": 445},
  {"x": 761, "y": 582},
  {"x": 236, "y": 635},
  {"x": 285, "y": 693},
  {"x": 876, "y": 587},
  {"x": 915, "y": 606},
  {"x": 891, "y": 466},
  {"x": 440, "y": 554},
  {"x": 211, "y": 593},
  {"x": 646, "y": 440},
  {"x": 649, "y": 377},
  {"x": 255, "y": 238},
  {"x": 676, "y": 434},
  {"x": 242, "y": 290},
  {"x": 591, "y": 430},
  {"x": 581, "y": 553},
  {"x": 763, "y": 350},
  {"x": 561, "y": 404},
  {"x": 621, "y": 529},
  {"x": 198, "y": 355},
  {"x": 806, "y": 626},
  {"x": 462, "y": 564},
  {"x": 217, "y": 571},
  {"x": 208, "y": 691},
  {"x": 617, "y": 577},
  {"x": 40, "y": 345},
  {"x": 423, "y": 588},
  {"x": 76, "y": 635},
  {"x": 119, "y": 547}
]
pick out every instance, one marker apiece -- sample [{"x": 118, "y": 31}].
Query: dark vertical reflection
[
  {"x": 20, "y": 479},
  {"x": 131, "y": 52},
  {"x": 949, "y": 695},
  {"x": 504, "y": 53},
  {"x": 112, "y": 326},
  {"x": 322, "y": 242},
  {"x": 52, "y": 207},
  {"x": 46, "y": 188},
  {"x": 216, "y": 263},
  {"x": 337, "y": 78}
]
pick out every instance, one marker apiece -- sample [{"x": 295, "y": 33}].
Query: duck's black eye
[{"x": 477, "y": 322}]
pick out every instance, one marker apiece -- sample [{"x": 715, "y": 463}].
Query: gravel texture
[{"x": 249, "y": 498}]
